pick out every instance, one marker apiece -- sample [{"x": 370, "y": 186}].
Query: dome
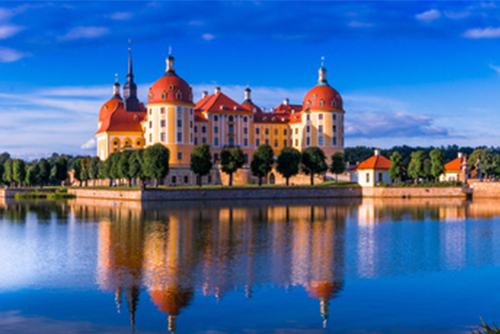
[
  {"x": 108, "y": 107},
  {"x": 323, "y": 97},
  {"x": 170, "y": 88}
]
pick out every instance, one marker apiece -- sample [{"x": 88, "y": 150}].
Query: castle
[{"x": 173, "y": 119}]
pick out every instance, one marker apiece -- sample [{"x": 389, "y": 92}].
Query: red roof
[
  {"x": 250, "y": 106},
  {"x": 219, "y": 102},
  {"x": 199, "y": 117},
  {"x": 454, "y": 165},
  {"x": 322, "y": 97},
  {"x": 375, "y": 162},
  {"x": 170, "y": 88},
  {"x": 118, "y": 119}
]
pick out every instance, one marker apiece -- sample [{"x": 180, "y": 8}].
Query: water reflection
[{"x": 174, "y": 253}]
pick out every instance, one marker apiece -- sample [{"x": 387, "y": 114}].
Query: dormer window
[
  {"x": 171, "y": 87},
  {"x": 105, "y": 108},
  {"x": 308, "y": 104},
  {"x": 178, "y": 95},
  {"x": 314, "y": 97},
  {"x": 163, "y": 95},
  {"x": 334, "y": 104},
  {"x": 321, "y": 103}
]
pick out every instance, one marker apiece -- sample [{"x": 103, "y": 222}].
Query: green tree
[
  {"x": 8, "y": 174},
  {"x": 427, "y": 174},
  {"x": 488, "y": 163},
  {"x": 104, "y": 167},
  {"x": 4, "y": 157},
  {"x": 114, "y": 161},
  {"x": 19, "y": 171},
  {"x": 124, "y": 166},
  {"x": 437, "y": 162},
  {"x": 416, "y": 166},
  {"x": 93, "y": 169},
  {"x": 44, "y": 172},
  {"x": 136, "y": 162},
  {"x": 77, "y": 171},
  {"x": 2, "y": 170},
  {"x": 231, "y": 159},
  {"x": 156, "y": 159},
  {"x": 32, "y": 175},
  {"x": 84, "y": 174},
  {"x": 473, "y": 157},
  {"x": 288, "y": 162},
  {"x": 338, "y": 164},
  {"x": 262, "y": 161},
  {"x": 59, "y": 172},
  {"x": 313, "y": 162},
  {"x": 201, "y": 161},
  {"x": 396, "y": 169}
]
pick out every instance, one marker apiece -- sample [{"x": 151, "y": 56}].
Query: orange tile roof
[
  {"x": 453, "y": 165},
  {"x": 219, "y": 102},
  {"x": 118, "y": 119},
  {"x": 375, "y": 162}
]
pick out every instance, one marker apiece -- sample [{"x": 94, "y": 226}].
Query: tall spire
[
  {"x": 130, "y": 88},
  {"x": 322, "y": 73}
]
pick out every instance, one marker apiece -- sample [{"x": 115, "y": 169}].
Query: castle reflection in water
[{"x": 173, "y": 252}]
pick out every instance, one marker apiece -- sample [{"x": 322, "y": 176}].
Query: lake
[{"x": 310, "y": 266}]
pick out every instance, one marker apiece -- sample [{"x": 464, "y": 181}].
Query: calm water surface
[{"x": 400, "y": 266}]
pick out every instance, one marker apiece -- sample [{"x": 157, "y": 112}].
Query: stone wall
[
  {"x": 485, "y": 189},
  {"x": 128, "y": 195},
  {"x": 415, "y": 192},
  {"x": 11, "y": 193}
]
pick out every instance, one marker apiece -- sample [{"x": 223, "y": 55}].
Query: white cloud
[
  {"x": 9, "y": 30},
  {"x": 429, "y": 15},
  {"x": 8, "y": 55},
  {"x": 482, "y": 33},
  {"x": 496, "y": 68},
  {"x": 121, "y": 16},
  {"x": 457, "y": 15},
  {"x": 84, "y": 32},
  {"x": 89, "y": 145},
  {"x": 208, "y": 37}
]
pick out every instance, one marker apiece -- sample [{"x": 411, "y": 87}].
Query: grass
[{"x": 52, "y": 196}]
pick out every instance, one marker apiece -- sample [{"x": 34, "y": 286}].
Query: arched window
[
  {"x": 308, "y": 104},
  {"x": 163, "y": 95},
  {"x": 321, "y": 103},
  {"x": 178, "y": 95},
  {"x": 171, "y": 87},
  {"x": 231, "y": 118}
]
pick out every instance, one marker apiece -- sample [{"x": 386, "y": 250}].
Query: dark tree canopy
[
  {"x": 338, "y": 164},
  {"x": 288, "y": 162},
  {"x": 262, "y": 161},
  {"x": 313, "y": 162},
  {"x": 437, "y": 162},
  {"x": 416, "y": 166},
  {"x": 231, "y": 159},
  {"x": 201, "y": 161},
  {"x": 44, "y": 175},
  {"x": 19, "y": 171},
  {"x": 156, "y": 159},
  {"x": 396, "y": 169}
]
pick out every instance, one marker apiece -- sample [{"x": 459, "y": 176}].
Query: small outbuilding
[
  {"x": 372, "y": 171},
  {"x": 456, "y": 170}
]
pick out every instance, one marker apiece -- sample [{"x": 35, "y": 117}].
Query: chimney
[
  {"x": 460, "y": 155},
  {"x": 286, "y": 101},
  {"x": 217, "y": 90},
  {"x": 377, "y": 152},
  {"x": 204, "y": 94},
  {"x": 263, "y": 109}
]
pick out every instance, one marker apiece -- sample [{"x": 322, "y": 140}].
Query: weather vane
[
  {"x": 116, "y": 77},
  {"x": 322, "y": 61}
]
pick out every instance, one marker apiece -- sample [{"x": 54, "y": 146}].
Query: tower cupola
[
  {"x": 322, "y": 73},
  {"x": 248, "y": 94},
  {"x": 116, "y": 88},
  {"x": 170, "y": 62}
]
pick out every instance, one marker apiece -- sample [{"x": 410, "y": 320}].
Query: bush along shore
[{"x": 52, "y": 196}]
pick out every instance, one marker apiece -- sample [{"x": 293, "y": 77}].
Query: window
[
  {"x": 174, "y": 179},
  {"x": 191, "y": 124},
  {"x": 150, "y": 124},
  {"x": 308, "y": 117},
  {"x": 179, "y": 123},
  {"x": 245, "y": 142},
  {"x": 163, "y": 123},
  {"x": 162, "y": 110},
  {"x": 216, "y": 129},
  {"x": 321, "y": 103},
  {"x": 320, "y": 116},
  {"x": 267, "y": 141},
  {"x": 179, "y": 112},
  {"x": 163, "y": 136},
  {"x": 150, "y": 137},
  {"x": 320, "y": 129},
  {"x": 284, "y": 132},
  {"x": 276, "y": 143},
  {"x": 190, "y": 111},
  {"x": 203, "y": 129},
  {"x": 216, "y": 141},
  {"x": 179, "y": 136},
  {"x": 367, "y": 177},
  {"x": 320, "y": 141},
  {"x": 308, "y": 129},
  {"x": 151, "y": 111},
  {"x": 196, "y": 140},
  {"x": 308, "y": 141},
  {"x": 257, "y": 131},
  {"x": 334, "y": 128},
  {"x": 230, "y": 141},
  {"x": 231, "y": 118},
  {"x": 245, "y": 131},
  {"x": 257, "y": 142},
  {"x": 380, "y": 177},
  {"x": 195, "y": 129},
  {"x": 334, "y": 104},
  {"x": 334, "y": 141},
  {"x": 296, "y": 142},
  {"x": 275, "y": 132},
  {"x": 296, "y": 131},
  {"x": 216, "y": 118},
  {"x": 203, "y": 140},
  {"x": 284, "y": 143},
  {"x": 186, "y": 179},
  {"x": 245, "y": 158},
  {"x": 178, "y": 95},
  {"x": 334, "y": 117},
  {"x": 267, "y": 131},
  {"x": 245, "y": 119},
  {"x": 308, "y": 104}
]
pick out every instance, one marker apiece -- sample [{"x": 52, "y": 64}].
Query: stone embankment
[
  {"x": 416, "y": 192},
  {"x": 485, "y": 189},
  {"x": 11, "y": 193}
]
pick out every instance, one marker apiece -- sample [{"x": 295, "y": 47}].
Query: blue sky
[{"x": 416, "y": 73}]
